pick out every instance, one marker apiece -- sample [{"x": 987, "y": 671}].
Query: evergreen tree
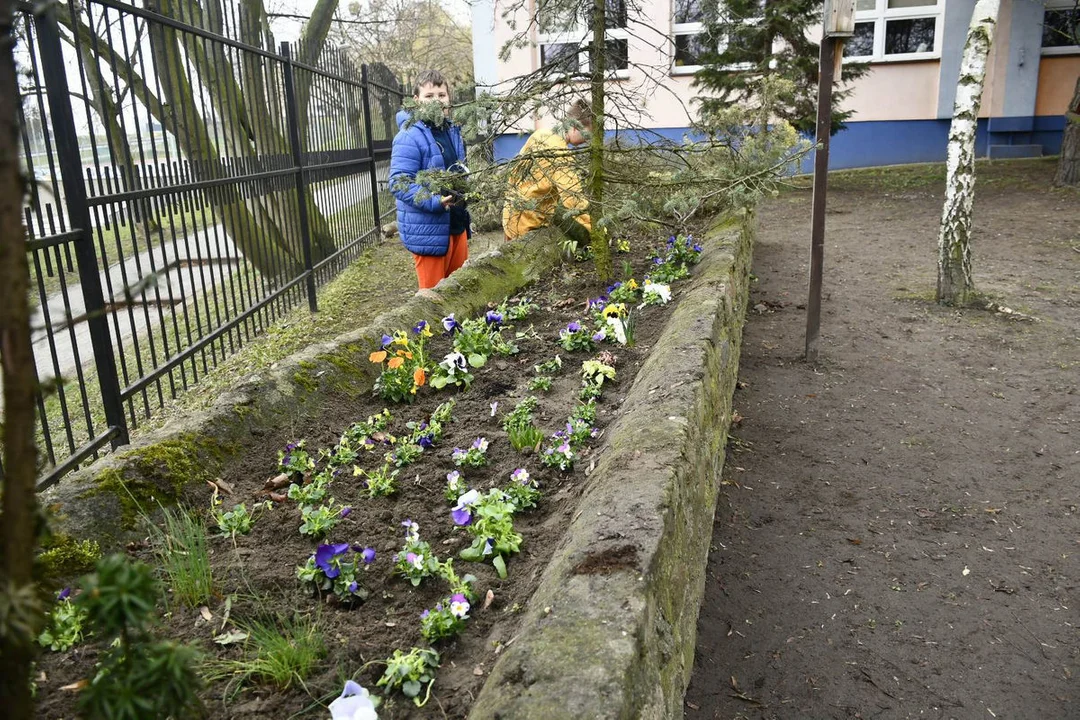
[{"x": 747, "y": 40}]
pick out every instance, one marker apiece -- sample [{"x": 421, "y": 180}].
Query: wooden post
[{"x": 838, "y": 23}]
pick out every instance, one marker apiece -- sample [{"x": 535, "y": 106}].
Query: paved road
[{"x": 198, "y": 262}]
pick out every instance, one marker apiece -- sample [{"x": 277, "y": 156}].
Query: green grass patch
[
  {"x": 277, "y": 652},
  {"x": 185, "y": 557}
]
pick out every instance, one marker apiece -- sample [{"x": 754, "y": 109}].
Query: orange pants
[{"x": 430, "y": 269}]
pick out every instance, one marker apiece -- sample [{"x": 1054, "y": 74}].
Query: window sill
[
  {"x": 685, "y": 70},
  {"x": 891, "y": 59},
  {"x": 1066, "y": 50}
]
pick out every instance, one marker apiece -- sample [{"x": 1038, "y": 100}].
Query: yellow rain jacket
[{"x": 544, "y": 181}]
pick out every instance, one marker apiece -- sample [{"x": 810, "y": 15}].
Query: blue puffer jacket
[{"x": 424, "y": 224}]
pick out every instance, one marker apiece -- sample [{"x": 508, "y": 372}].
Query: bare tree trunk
[
  {"x": 18, "y": 607},
  {"x": 601, "y": 251},
  {"x": 1068, "y": 170},
  {"x": 955, "y": 286}
]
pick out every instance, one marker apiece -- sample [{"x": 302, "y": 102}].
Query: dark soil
[
  {"x": 898, "y": 532},
  {"x": 259, "y": 571}
]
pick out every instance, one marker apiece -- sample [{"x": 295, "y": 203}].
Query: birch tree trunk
[
  {"x": 1068, "y": 170},
  {"x": 955, "y": 286},
  {"x": 19, "y": 608}
]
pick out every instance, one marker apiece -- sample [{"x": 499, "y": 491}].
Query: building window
[
  {"x": 896, "y": 30},
  {"x": 564, "y": 40},
  {"x": 1061, "y": 27},
  {"x": 688, "y": 34}
]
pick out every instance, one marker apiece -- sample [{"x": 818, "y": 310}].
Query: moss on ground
[{"x": 65, "y": 557}]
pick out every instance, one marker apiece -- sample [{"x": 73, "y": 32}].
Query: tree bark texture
[
  {"x": 18, "y": 508},
  {"x": 1068, "y": 170},
  {"x": 955, "y": 285}
]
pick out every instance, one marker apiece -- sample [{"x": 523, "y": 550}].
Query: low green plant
[
  {"x": 312, "y": 492},
  {"x": 295, "y": 459},
  {"x": 277, "y": 651},
  {"x": 474, "y": 341},
  {"x": 474, "y": 456},
  {"x": 490, "y": 522},
  {"x": 541, "y": 383},
  {"x": 410, "y": 672},
  {"x": 576, "y": 337},
  {"x": 549, "y": 367},
  {"x": 446, "y": 619},
  {"x": 518, "y": 309},
  {"x": 137, "y": 676},
  {"x": 455, "y": 486},
  {"x": 585, "y": 412},
  {"x": 65, "y": 624},
  {"x": 317, "y": 520},
  {"x": 462, "y": 585},
  {"x": 359, "y": 433},
  {"x": 521, "y": 415},
  {"x": 444, "y": 412},
  {"x": 381, "y": 482},
  {"x": 528, "y": 437},
  {"x": 404, "y": 453},
  {"x": 523, "y": 491},
  {"x": 185, "y": 557},
  {"x": 237, "y": 521}
]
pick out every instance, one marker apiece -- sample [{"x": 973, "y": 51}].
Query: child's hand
[{"x": 447, "y": 201}]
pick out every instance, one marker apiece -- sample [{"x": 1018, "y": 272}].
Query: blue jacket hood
[{"x": 402, "y": 117}]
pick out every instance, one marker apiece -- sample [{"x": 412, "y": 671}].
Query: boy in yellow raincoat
[{"x": 545, "y": 176}]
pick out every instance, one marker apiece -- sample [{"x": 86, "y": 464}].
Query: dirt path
[{"x": 899, "y": 533}]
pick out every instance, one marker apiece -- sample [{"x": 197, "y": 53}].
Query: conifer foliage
[{"x": 748, "y": 40}]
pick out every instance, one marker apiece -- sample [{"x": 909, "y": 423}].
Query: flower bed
[{"x": 353, "y": 528}]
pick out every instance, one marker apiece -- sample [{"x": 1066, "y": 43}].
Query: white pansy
[{"x": 354, "y": 704}]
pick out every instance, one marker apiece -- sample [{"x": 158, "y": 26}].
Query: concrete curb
[
  {"x": 610, "y": 632},
  {"x": 101, "y": 501}
]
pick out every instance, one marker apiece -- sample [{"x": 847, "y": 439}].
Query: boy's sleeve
[{"x": 405, "y": 158}]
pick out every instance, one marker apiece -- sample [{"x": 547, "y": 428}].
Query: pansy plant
[
  {"x": 446, "y": 619},
  {"x": 624, "y": 292},
  {"x": 540, "y": 383},
  {"x": 549, "y": 367},
  {"x": 380, "y": 482},
  {"x": 576, "y": 337},
  {"x": 443, "y": 414},
  {"x": 455, "y": 485},
  {"x": 474, "y": 456},
  {"x": 359, "y": 434},
  {"x": 463, "y": 585},
  {"x": 474, "y": 340},
  {"x": 317, "y": 521},
  {"x": 516, "y": 310},
  {"x": 523, "y": 490},
  {"x": 558, "y": 454},
  {"x": 310, "y": 493},
  {"x": 585, "y": 412},
  {"x": 294, "y": 460},
  {"x": 416, "y": 560},
  {"x": 410, "y": 672},
  {"x": 594, "y": 374},
  {"x": 489, "y": 519},
  {"x": 336, "y": 568},
  {"x": 65, "y": 624},
  {"x": 453, "y": 370},
  {"x": 655, "y": 293},
  {"x": 404, "y": 368}
]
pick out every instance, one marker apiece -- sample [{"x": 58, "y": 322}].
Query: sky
[{"x": 289, "y": 29}]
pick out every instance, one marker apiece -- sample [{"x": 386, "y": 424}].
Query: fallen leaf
[
  {"x": 854, "y": 541},
  {"x": 278, "y": 497},
  {"x": 230, "y": 638},
  {"x": 488, "y": 599},
  {"x": 390, "y": 624},
  {"x": 219, "y": 484},
  {"x": 692, "y": 706},
  {"x": 924, "y": 513},
  {"x": 478, "y": 671},
  {"x": 276, "y": 482},
  {"x": 205, "y": 612},
  {"x": 992, "y": 511},
  {"x": 42, "y": 677},
  {"x": 76, "y": 686},
  {"x": 966, "y": 571}
]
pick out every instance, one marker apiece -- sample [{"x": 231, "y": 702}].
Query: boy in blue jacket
[{"x": 436, "y": 229}]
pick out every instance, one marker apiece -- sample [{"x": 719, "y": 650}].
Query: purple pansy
[
  {"x": 368, "y": 555},
  {"x": 598, "y": 336},
  {"x": 386, "y": 340},
  {"x": 462, "y": 513},
  {"x": 480, "y": 444},
  {"x": 696, "y": 248},
  {"x": 459, "y": 606},
  {"x": 64, "y": 594},
  {"x": 493, "y": 318},
  {"x": 658, "y": 261},
  {"x": 345, "y": 511},
  {"x": 353, "y": 586},
  {"x": 426, "y": 441},
  {"x": 424, "y": 615},
  {"x": 325, "y": 555},
  {"x": 574, "y": 326},
  {"x": 613, "y": 287},
  {"x": 450, "y": 324},
  {"x": 420, "y": 327}
]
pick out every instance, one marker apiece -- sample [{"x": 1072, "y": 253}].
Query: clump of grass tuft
[
  {"x": 185, "y": 557},
  {"x": 278, "y": 651}
]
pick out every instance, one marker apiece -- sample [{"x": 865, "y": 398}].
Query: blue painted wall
[{"x": 891, "y": 142}]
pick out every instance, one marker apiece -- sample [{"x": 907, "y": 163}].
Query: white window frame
[
  {"x": 882, "y": 13},
  {"x": 1062, "y": 49},
  {"x": 582, "y": 36},
  {"x": 677, "y": 29}
]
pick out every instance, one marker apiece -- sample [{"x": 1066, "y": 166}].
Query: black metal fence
[{"x": 192, "y": 182}]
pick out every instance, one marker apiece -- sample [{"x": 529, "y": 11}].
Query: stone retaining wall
[{"x": 610, "y": 632}]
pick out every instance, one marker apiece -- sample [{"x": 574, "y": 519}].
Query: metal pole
[
  {"x": 368, "y": 125},
  {"x": 821, "y": 179},
  {"x": 301, "y": 175},
  {"x": 70, "y": 161}
]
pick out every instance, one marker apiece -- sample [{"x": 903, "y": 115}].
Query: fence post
[
  {"x": 70, "y": 161},
  {"x": 301, "y": 176},
  {"x": 368, "y": 131}
]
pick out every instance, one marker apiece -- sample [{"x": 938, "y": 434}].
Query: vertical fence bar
[
  {"x": 301, "y": 177},
  {"x": 368, "y": 131},
  {"x": 67, "y": 150}
]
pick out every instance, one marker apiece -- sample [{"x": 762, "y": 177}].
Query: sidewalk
[{"x": 897, "y": 534}]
